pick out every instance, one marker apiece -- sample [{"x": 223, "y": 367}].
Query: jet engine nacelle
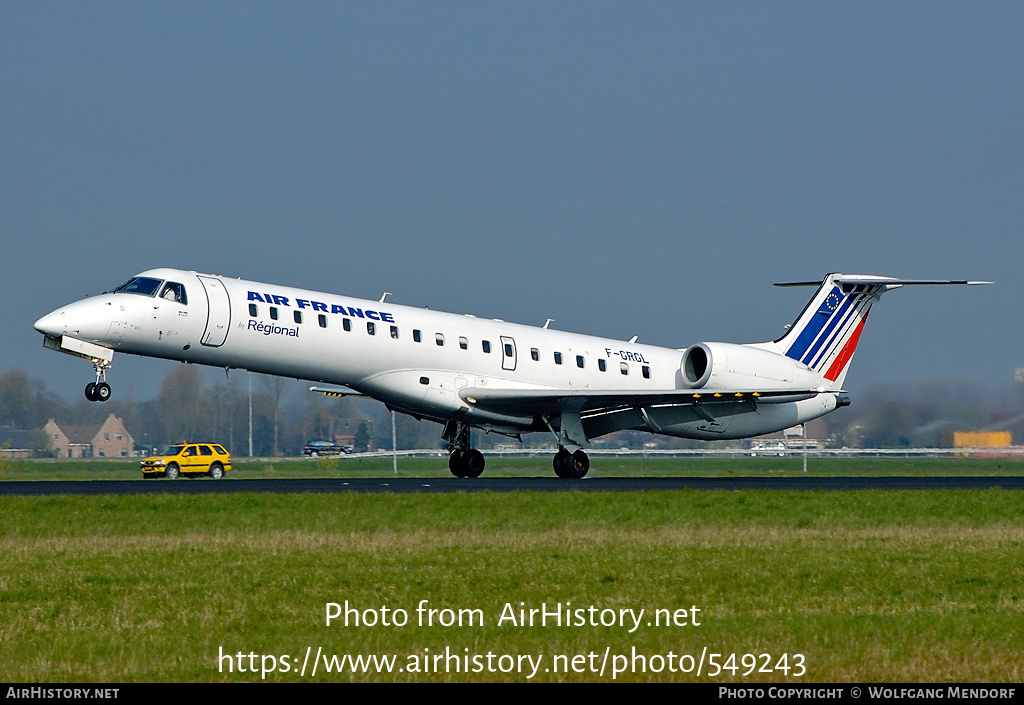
[{"x": 732, "y": 366}]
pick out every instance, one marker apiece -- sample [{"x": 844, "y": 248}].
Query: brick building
[{"x": 109, "y": 439}]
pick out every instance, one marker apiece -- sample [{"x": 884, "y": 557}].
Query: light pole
[{"x": 250, "y": 413}]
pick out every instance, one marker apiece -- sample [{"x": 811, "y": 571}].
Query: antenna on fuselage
[
  {"x": 386, "y": 294},
  {"x": 548, "y": 323},
  {"x": 633, "y": 339}
]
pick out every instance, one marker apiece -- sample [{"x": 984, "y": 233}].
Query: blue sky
[{"x": 625, "y": 168}]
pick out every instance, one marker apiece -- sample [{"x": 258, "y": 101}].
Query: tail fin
[{"x": 825, "y": 334}]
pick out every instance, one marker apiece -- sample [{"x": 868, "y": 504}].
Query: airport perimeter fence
[{"x": 1007, "y": 452}]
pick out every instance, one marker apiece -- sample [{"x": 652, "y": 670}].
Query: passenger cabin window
[
  {"x": 509, "y": 352},
  {"x": 463, "y": 343},
  {"x": 439, "y": 339},
  {"x": 486, "y": 345},
  {"x": 579, "y": 361},
  {"x": 535, "y": 354},
  {"x": 558, "y": 358},
  {"x": 646, "y": 372},
  {"x": 322, "y": 320},
  {"x": 394, "y": 332},
  {"x": 297, "y": 316},
  {"x": 273, "y": 313},
  {"x": 253, "y": 311},
  {"x": 371, "y": 328},
  {"x": 417, "y": 336},
  {"x": 601, "y": 364},
  {"x": 174, "y": 291},
  {"x": 346, "y": 323},
  {"x": 624, "y": 368}
]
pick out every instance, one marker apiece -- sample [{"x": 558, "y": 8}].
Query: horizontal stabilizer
[{"x": 888, "y": 282}]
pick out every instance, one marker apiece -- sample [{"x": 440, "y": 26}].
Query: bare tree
[
  {"x": 180, "y": 402},
  {"x": 275, "y": 388}
]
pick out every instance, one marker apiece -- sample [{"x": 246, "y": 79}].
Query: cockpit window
[
  {"x": 139, "y": 285},
  {"x": 173, "y": 291}
]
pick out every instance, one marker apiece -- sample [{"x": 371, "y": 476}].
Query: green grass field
[{"x": 867, "y": 586}]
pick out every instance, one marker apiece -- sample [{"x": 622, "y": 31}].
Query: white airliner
[{"x": 468, "y": 372}]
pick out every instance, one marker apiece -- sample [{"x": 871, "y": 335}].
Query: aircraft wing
[{"x": 540, "y": 402}]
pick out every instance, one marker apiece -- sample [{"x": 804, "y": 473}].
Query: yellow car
[{"x": 189, "y": 459}]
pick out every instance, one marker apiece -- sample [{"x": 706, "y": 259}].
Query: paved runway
[{"x": 504, "y": 484}]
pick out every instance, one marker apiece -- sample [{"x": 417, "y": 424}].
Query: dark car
[{"x": 314, "y": 449}]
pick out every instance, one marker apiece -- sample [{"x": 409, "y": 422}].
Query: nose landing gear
[{"x": 99, "y": 390}]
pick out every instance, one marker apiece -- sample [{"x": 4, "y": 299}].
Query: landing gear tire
[
  {"x": 456, "y": 463},
  {"x": 572, "y": 466},
  {"x": 97, "y": 391},
  {"x": 172, "y": 472},
  {"x": 101, "y": 391},
  {"x": 466, "y": 463},
  {"x": 579, "y": 466},
  {"x": 560, "y": 464},
  {"x": 473, "y": 462}
]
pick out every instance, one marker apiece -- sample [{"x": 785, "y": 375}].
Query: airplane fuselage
[{"x": 470, "y": 372}]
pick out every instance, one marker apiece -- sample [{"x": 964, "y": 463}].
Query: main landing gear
[
  {"x": 98, "y": 390},
  {"x": 464, "y": 460},
  {"x": 571, "y": 466},
  {"x": 466, "y": 463}
]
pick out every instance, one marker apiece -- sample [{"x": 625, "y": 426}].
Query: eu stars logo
[{"x": 832, "y": 302}]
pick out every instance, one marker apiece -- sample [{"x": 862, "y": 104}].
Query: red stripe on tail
[{"x": 846, "y": 353}]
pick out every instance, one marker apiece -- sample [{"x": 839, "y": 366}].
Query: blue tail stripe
[
  {"x": 843, "y": 325},
  {"x": 827, "y": 333},
  {"x": 818, "y": 321},
  {"x": 846, "y": 326}
]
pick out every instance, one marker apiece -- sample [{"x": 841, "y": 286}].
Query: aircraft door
[
  {"x": 218, "y": 319},
  {"x": 508, "y": 353}
]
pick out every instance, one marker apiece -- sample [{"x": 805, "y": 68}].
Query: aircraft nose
[{"x": 52, "y": 323}]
